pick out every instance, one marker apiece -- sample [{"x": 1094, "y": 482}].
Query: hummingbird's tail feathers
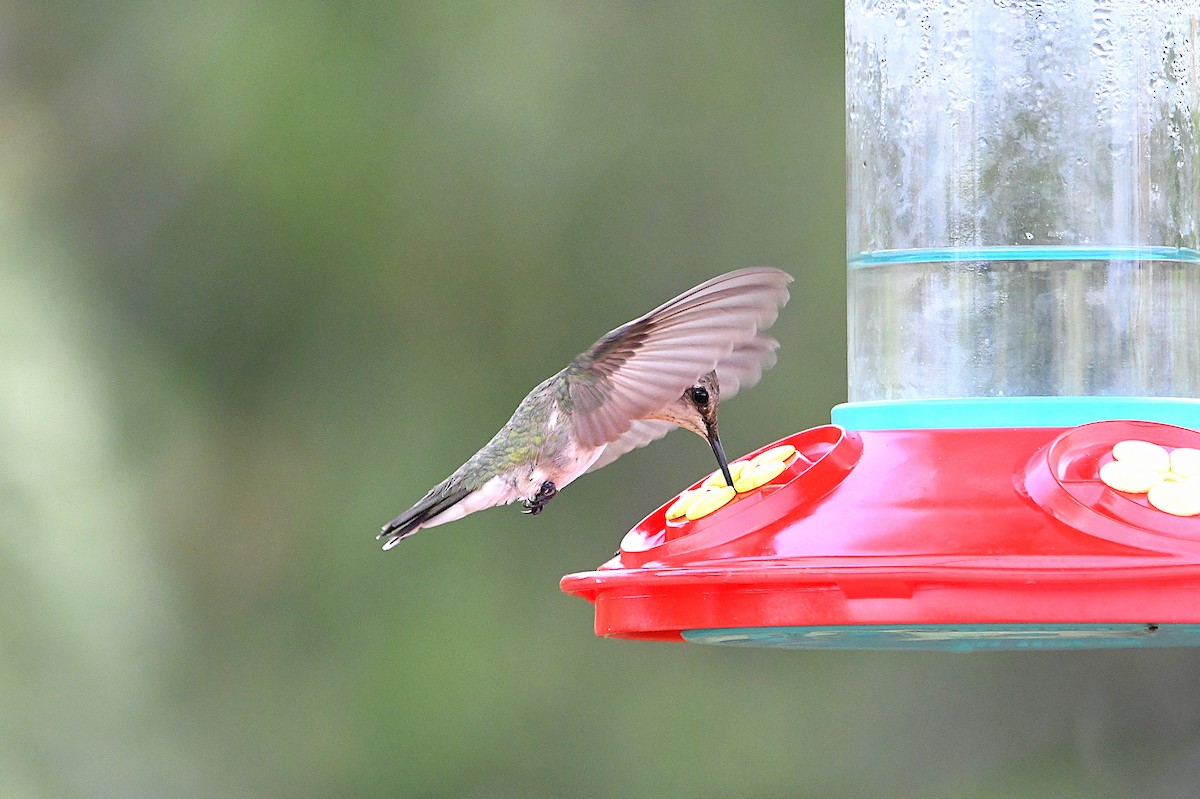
[{"x": 435, "y": 503}]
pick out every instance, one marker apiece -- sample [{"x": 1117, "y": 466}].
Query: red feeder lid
[{"x": 932, "y": 538}]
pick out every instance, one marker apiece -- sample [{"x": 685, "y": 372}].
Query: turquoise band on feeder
[
  {"x": 993, "y": 412},
  {"x": 1024, "y": 253}
]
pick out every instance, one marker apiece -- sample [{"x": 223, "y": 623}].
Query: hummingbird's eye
[{"x": 699, "y": 395}]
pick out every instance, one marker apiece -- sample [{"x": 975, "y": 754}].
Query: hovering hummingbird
[{"x": 666, "y": 369}]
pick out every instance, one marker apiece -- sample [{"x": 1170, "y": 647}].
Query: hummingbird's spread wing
[
  {"x": 744, "y": 367},
  {"x": 641, "y": 367},
  {"x": 639, "y": 434},
  {"x": 741, "y": 368}
]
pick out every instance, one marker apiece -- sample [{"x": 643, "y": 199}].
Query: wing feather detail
[
  {"x": 644, "y": 365},
  {"x": 742, "y": 368}
]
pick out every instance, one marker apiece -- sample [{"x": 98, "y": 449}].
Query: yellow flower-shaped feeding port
[
  {"x": 747, "y": 475},
  {"x": 1169, "y": 479}
]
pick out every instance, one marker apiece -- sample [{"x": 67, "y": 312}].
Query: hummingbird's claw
[{"x": 544, "y": 494}]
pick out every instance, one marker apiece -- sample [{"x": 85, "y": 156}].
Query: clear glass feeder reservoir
[{"x": 1023, "y": 199}]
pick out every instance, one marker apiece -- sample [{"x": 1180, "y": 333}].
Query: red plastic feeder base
[{"x": 924, "y": 538}]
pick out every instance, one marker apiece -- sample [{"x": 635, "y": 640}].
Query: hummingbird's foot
[{"x": 544, "y": 494}]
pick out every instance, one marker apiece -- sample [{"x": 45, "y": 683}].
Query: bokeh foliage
[{"x": 271, "y": 269}]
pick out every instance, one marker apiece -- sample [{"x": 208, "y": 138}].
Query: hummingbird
[{"x": 666, "y": 369}]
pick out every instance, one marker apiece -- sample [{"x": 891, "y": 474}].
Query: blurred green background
[{"x": 272, "y": 269}]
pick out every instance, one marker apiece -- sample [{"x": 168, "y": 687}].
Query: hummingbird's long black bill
[{"x": 715, "y": 442}]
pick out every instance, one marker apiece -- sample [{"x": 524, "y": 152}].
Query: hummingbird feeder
[{"x": 1019, "y": 462}]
